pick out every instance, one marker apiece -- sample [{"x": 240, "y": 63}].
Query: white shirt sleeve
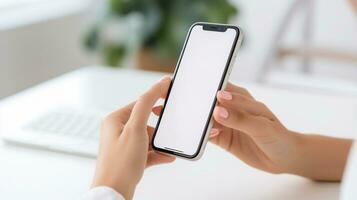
[{"x": 102, "y": 193}]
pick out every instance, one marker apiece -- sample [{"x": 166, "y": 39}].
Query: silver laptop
[
  {"x": 66, "y": 130},
  {"x": 70, "y": 121}
]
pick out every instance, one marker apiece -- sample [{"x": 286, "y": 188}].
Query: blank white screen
[{"x": 194, "y": 89}]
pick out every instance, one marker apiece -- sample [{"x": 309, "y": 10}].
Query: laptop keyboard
[{"x": 67, "y": 122}]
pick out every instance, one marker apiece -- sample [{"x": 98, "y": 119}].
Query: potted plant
[{"x": 151, "y": 31}]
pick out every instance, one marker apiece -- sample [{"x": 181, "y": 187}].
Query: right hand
[{"x": 125, "y": 149}]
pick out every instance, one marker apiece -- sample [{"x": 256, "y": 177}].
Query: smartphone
[{"x": 203, "y": 68}]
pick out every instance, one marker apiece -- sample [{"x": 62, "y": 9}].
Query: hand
[
  {"x": 250, "y": 131},
  {"x": 125, "y": 149}
]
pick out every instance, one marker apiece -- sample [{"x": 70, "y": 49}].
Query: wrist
[
  {"x": 319, "y": 157},
  {"x": 125, "y": 190},
  {"x": 296, "y": 157}
]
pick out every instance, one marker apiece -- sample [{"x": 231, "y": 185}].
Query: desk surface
[{"x": 36, "y": 174}]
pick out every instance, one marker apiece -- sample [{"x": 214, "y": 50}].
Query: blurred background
[{"x": 300, "y": 44}]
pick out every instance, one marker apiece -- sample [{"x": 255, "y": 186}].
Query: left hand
[
  {"x": 125, "y": 149},
  {"x": 251, "y": 132}
]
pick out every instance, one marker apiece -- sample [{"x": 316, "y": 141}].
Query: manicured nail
[
  {"x": 225, "y": 95},
  {"x": 222, "y": 112},
  {"x": 165, "y": 79},
  {"x": 214, "y": 132}
]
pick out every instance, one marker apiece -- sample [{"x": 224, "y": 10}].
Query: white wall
[
  {"x": 335, "y": 27},
  {"x": 38, "y": 52},
  {"x": 31, "y": 54}
]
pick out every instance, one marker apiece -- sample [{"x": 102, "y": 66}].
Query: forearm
[{"x": 321, "y": 158}]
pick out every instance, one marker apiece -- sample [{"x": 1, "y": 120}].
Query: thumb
[{"x": 142, "y": 109}]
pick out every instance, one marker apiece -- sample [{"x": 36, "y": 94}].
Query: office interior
[{"x": 298, "y": 56}]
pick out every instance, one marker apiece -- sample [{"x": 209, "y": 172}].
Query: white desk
[{"x": 36, "y": 174}]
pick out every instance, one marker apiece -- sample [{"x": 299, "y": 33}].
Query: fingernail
[
  {"x": 222, "y": 112},
  {"x": 214, "y": 132},
  {"x": 165, "y": 79},
  {"x": 225, "y": 95}
]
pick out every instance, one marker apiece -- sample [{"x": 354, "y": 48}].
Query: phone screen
[{"x": 199, "y": 75}]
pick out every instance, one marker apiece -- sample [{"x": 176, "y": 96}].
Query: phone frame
[{"x": 232, "y": 57}]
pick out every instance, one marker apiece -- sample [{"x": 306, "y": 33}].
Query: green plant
[{"x": 161, "y": 25}]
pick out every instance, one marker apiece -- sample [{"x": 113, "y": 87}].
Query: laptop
[
  {"x": 65, "y": 114},
  {"x": 64, "y": 129}
]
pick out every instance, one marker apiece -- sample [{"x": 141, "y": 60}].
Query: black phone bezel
[{"x": 207, "y": 27}]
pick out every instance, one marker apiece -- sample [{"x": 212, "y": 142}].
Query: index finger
[
  {"x": 122, "y": 115},
  {"x": 142, "y": 109},
  {"x": 116, "y": 120}
]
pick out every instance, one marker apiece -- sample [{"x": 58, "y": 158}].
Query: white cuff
[{"x": 102, "y": 193}]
